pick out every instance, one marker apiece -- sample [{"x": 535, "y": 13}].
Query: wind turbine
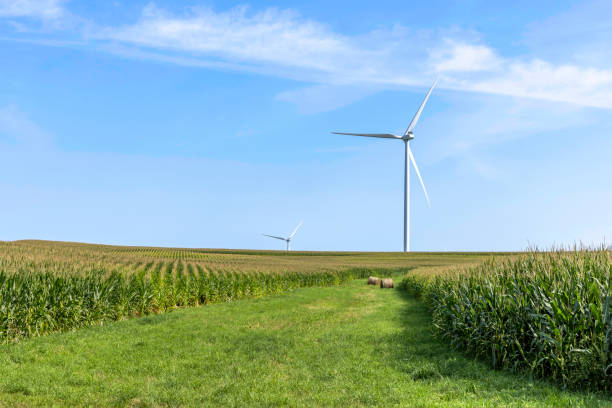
[
  {"x": 288, "y": 239},
  {"x": 408, "y": 157}
]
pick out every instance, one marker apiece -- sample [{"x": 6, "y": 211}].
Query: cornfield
[
  {"x": 549, "y": 314},
  {"x": 32, "y": 304},
  {"x": 48, "y": 287}
]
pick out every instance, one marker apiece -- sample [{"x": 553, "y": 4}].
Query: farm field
[
  {"x": 131, "y": 326},
  {"x": 349, "y": 345},
  {"x": 47, "y": 287},
  {"x": 75, "y": 258}
]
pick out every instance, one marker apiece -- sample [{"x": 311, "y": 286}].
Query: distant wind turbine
[
  {"x": 409, "y": 157},
  {"x": 288, "y": 239}
]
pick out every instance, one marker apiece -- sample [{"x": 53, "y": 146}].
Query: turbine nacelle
[{"x": 408, "y": 136}]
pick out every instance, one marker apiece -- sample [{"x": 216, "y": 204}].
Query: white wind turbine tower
[
  {"x": 407, "y": 137},
  {"x": 288, "y": 239}
]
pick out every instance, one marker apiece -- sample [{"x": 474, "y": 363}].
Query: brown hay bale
[
  {"x": 386, "y": 283},
  {"x": 373, "y": 280}
]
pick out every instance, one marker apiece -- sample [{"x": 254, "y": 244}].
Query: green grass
[{"x": 352, "y": 345}]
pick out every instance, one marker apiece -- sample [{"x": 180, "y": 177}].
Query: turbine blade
[
  {"x": 382, "y": 135},
  {"x": 418, "y": 114},
  {"x": 418, "y": 174},
  {"x": 272, "y": 236},
  {"x": 295, "y": 230}
]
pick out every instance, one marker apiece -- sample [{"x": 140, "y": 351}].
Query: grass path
[{"x": 342, "y": 346}]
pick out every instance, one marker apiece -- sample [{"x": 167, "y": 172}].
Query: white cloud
[
  {"x": 464, "y": 57},
  {"x": 276, "y": 42},
  {"x": 272, "y": 41},
  {"x": 539, "y": 79},
  {"x": 483, "y": 167},
  {"x": 268, "y": 37},
  {"x": 322, "y": 98},
  {"x": 40, "y": 9},
  {"x": 478, "y": 123},
  {"x": 17, "y": 128},
  {"x": 583, "y": 30},
  {"x": 284, "y": 44}
]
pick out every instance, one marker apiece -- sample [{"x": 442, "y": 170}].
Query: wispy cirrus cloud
[
  {"x": 280, "y": 42},
  {"x": 270, "y": 36},
  {"x": 283, "y": 43},
  {"x": 17, "y": 128},
  {"x": 39, "y": 9},
  {"x": 464, "y": 57},
  {"x": 272, "y": 41},
  {"x": 583, "y": 31}
]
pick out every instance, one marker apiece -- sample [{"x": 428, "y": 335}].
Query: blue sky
[{"x": 205, "y": 124}]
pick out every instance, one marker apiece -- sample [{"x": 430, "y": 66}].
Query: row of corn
[
  {"x": 35, "y": 303},
  {"x": 547, "y": 314}
]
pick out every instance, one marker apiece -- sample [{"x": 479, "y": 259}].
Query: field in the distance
[{"x": 65, "y": 255}]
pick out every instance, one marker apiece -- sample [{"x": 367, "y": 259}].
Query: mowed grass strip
[{"x": 352, "y": 345}]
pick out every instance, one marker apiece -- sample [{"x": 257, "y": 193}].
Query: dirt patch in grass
[{"x": 320, "y": 304}]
